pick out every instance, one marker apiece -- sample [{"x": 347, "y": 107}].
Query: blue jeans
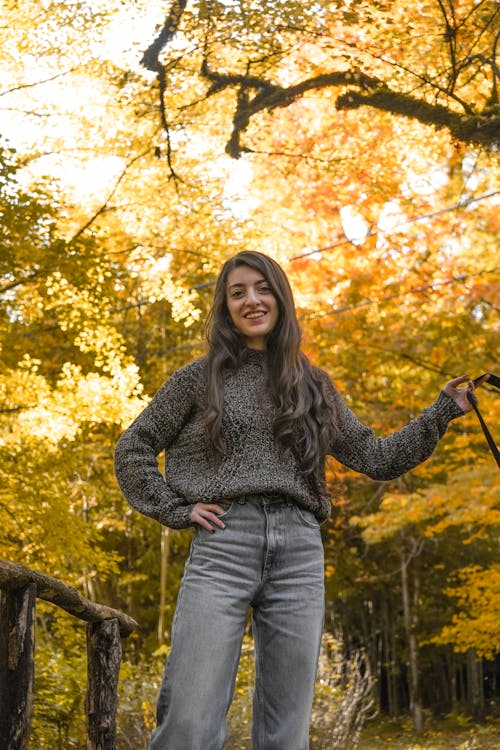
[{"x": 270, "y": 558}]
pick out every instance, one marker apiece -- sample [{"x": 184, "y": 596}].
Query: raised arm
[{"x": 388, "y": 457}]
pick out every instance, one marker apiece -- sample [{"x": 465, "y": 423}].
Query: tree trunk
[
  {"x": 104, "y": 652},
  {"x": 17, "y": 651},
  {"x": 392, "y": 669},
  {"x": 411, "y": 620},
  {"x": 164, "y": 554},
  {"x": 475, "y": 691},
  {"x": 453, "y": 681}
]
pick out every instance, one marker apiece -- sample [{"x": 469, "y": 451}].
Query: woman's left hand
[{"x": 459, "y": 395}]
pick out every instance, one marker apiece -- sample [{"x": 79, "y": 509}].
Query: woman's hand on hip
[{"x": 207, "y": 515}]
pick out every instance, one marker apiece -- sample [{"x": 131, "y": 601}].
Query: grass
[{"x": 454, "y": 733}]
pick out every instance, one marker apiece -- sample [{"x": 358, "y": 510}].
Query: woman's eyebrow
[{"x": 241, "y": 284}]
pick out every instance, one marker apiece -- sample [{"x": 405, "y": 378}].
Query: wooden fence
[{"x": 19, "y": 588}]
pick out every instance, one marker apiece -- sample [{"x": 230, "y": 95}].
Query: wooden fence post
[
  {"x": 104, "y": 653},
  {"x": 19, "y": 587},
  {"x": 17, "y": 650}
]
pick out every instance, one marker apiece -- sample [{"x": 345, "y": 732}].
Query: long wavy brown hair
[{"x": 304, "y": 422}]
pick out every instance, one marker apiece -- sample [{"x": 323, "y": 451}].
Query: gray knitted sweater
[{"x": 253, "y": 464}]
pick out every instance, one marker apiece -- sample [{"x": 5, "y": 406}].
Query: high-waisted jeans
[{"x": 270, "y": 558}]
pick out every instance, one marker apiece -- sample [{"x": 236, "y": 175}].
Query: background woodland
[{"x": 143, "y": 143}]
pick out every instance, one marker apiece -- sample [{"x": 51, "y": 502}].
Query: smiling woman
[{"x": 247, "y": 429}]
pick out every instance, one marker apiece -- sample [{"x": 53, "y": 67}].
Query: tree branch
[
  {"x": 450, "y": 36},
  {"x": 105, "y": 206},
  {"x": 481, "y": 129},
  {"x": 150, "y": 60},
  {"x": 496, "y": 71},
  {"x": 255, "y": 94},
  {"x": 269, "y": 96},
  {"x": 40, "y": 82}
]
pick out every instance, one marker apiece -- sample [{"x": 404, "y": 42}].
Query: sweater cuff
[
  {"x": 448, "y": 407},
  {"x": 176, "y": 519}
]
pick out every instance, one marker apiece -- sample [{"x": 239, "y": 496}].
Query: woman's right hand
[{"x": 207, "y": 516}]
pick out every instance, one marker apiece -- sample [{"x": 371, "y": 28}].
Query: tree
[{"x": 375, "y": 55}]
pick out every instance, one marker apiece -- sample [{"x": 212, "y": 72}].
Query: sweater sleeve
[
  {"x": 154, "y": 430},
  {"x": 389, "y": 457}
]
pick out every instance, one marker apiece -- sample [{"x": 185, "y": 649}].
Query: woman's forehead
[{"x": 244, "y": 276}]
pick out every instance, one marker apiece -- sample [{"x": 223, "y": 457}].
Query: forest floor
[{"x": 449, "y": 734}]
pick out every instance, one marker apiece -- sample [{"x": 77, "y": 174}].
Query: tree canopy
[{"x": 439, "y": 67}]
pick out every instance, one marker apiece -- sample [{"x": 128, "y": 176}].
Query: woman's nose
[{"x": 252, "y": 297}]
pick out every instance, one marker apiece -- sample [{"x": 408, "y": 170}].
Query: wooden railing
[{"x": 19, "y": 589}]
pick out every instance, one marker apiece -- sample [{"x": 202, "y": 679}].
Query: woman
[{"x": 246, "y": 430}]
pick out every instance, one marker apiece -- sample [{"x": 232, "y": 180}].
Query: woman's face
[{"x": 252, "y": 305}]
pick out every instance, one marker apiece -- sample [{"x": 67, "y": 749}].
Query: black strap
[{"x": 495, "y": 381}]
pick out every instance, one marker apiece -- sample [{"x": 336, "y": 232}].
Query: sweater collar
[{"x": 254, "y": 356}]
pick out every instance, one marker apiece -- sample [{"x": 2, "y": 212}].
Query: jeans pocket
[
  {"x": 306, "y": 517},
  {"x": 228, "y": 508}
]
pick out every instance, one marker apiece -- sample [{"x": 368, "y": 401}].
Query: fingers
[
  {"x": 472, "y": 383},
  {"x": 458, "y": 381},
  {"x": 207, "y": 515},
  {"x": 482, "y": 379},
  {"x": 451, "y": 386},
  {"x": 461, "y": 395}
]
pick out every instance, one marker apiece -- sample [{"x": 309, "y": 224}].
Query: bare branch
[
  {"x": 104, "y": 207},
  {"x": 19, "y": 282},
  {"x": 151, "y": 61},
  {"x": 450, "y": 36},
  {"x": 39, "y": 83},
  {"x": 150, "y": 58}
]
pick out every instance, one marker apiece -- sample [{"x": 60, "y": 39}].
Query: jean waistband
[{"x": 264, "y": 498}]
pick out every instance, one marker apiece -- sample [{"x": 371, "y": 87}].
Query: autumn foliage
[{"x": 375, "y": 186}]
